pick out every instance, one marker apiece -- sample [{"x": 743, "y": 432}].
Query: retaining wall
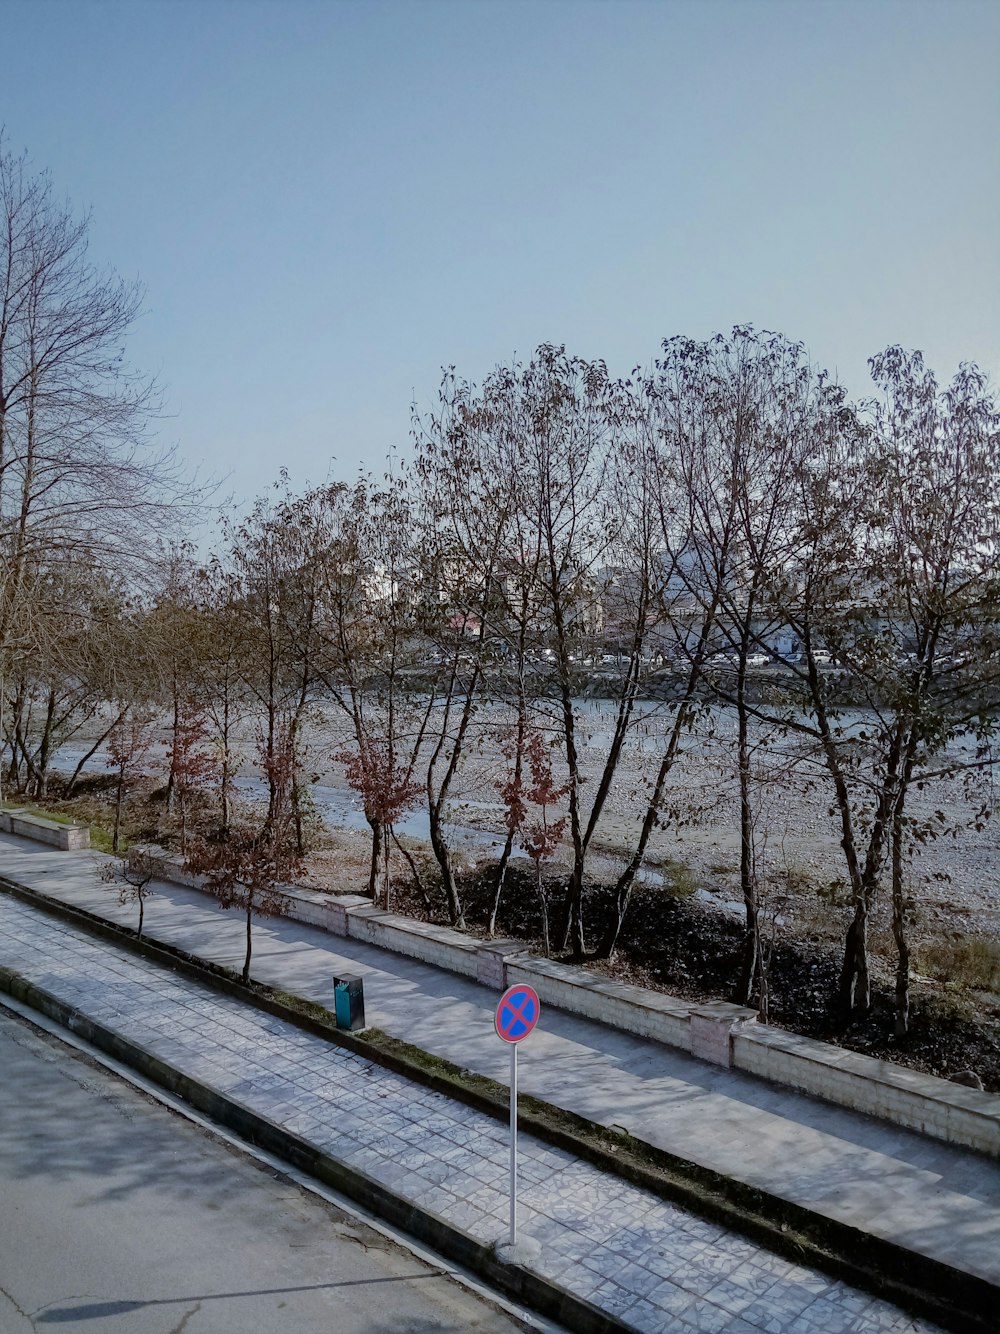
[
  {"x": 724, "y": 1034},
  {"x": 66, "y": 837},
  {"x": 908, "y": 1098}
]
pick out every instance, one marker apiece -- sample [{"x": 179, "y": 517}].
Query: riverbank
[{"x": 681, "y": 938}]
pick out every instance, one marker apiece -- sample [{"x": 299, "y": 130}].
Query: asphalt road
[{"x": 119, "y": 1216}]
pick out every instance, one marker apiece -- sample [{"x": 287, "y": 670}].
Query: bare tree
[
  {"x": 190, "y": 763},
  {"x": 274, "y": 568},
  {"x": 84, "y": 661},
  {"x": 220, "y": 667},
  {"x": 246, "y": 865},
  {"x": 128, "y": 747},
  {"x": 469, "y": 498},
  {"x": 540, "y": 442},
  {"x": 520, "y": 634},
  {"x": 739, "y": 414},
  {"x": 387, "y": 791},
  {"x": 921, "y": 634},
  {"x": 132, "y": 878},
  {"x": 84, "y": 496},
  {"x": 76, "y": 473},
  {"x": 364, "y": 629},
  {"x": 176, "y": 631}
]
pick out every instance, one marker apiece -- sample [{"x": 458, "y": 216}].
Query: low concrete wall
[
  {"x": 164, "y": 866},
  {"x": 908, "y": 1098},
  {"x": 715, "y": 1031},
  {"x": 438, "y": 945},
  {"x": 649, "y": 1014},
  {"x": 66, "y": 837},
  {"x": 493, "y": 959}
]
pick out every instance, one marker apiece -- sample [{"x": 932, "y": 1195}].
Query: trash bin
[{"x": 349, "y": 1002}]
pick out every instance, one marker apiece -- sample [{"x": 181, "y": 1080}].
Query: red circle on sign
[{"x": 517, "y": 1013}]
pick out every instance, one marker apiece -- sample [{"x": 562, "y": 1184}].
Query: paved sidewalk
[
  {"x": 626, "y": 1251},
  {"x": 937, "y": 1200}
]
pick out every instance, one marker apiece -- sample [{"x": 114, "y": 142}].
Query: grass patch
[
  {"x": 100, "y": 838},
  {"x": 42, "y": 812},
  {"x": 678, "y": 881},
  {"x": 973, "y": 963},
  {"x": 103, "y": 840},
  {"x": 311, "y": 1009}
]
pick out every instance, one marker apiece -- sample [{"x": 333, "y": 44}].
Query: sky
[{"x": 328, "y": 202}]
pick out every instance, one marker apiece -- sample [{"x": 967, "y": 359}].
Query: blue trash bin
[{"x": 349, "y": 1002}]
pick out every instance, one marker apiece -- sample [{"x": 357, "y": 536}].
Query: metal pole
[{"x": 513, "y": 1144}]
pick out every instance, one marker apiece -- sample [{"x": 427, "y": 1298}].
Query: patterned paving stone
[{"x": 624, "y": 1250}]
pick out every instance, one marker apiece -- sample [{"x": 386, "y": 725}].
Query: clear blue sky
[{"x": 329, "y": 201}]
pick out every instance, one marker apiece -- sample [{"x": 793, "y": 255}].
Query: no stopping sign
[{"x": 517, "y": 1013}]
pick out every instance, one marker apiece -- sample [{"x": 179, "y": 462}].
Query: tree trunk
[
  {"x": 764, "y": 980},
  {"x": 544, "y": 905},
  {"x": 443, "y": 855},
  {"x": 142, "y": 906},
  {"x": 118, "y": 811},
  {"x": 89, "y": 755},
  {"x": 748, "y": 882},
  {"x": 573, "y": 933},
  {"x": 385, "y": 864},
  {"x": 855, "y": 985},
  {"x": 502, "y": 865},
  {"x": 300, "y": 846},
  {"x": 246, "y": 961},
  {"x": 623, "y": 889},
  {"x": 414, "y": 871},
  {"x": 522, "y": 727},
  {"x": 226, "y": 763},
  {"x": 902, "y": 1024},
  {"x": 376, "y": 856},
  {"x": 175, "y": 728},
  {"x": 623, "y": 893},
  {"x": 45, "y": 743}
]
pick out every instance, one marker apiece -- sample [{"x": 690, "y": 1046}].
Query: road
[{"x": 119, "y": 1216}]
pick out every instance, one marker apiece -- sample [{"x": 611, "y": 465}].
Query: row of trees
[{"x": 727, "y": 500}]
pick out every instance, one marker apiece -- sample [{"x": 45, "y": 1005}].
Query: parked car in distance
[
  {"x": 758, "y": 660},
  {"x": 800, "y": 660}
]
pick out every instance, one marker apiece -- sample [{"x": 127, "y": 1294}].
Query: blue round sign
[{"x": 518, "y": 1012}]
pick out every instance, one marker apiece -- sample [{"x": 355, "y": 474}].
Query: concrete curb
[
  {"x": 525, "y": 1286},
  {"x": 931, "y": 1288}
]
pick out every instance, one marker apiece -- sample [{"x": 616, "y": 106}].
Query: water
[{"x": 340, "y": 808}]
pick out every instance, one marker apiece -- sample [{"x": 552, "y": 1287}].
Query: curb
[
  {"x": 522, "y": 1284},
  {"x": 951, "y": 1297}
]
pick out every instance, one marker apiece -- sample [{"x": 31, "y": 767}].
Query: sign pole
[
  {"x": 516, "y": 1016},
  {"x": 513, "y": 1144}
]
